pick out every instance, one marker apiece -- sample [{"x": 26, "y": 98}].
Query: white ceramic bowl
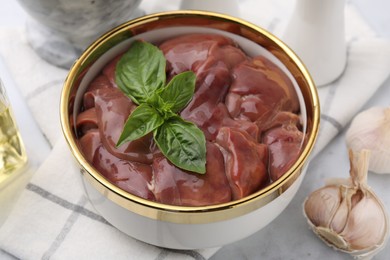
[{"x": 176, "y": 226}]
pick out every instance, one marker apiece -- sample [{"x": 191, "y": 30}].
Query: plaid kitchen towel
[{"x": 53, "y": 219}]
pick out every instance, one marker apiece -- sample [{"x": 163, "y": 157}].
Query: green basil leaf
[
  {"x": 142, "y": 121},
  {"x": 183, "y": 144},
  {"x": 179, "y": 91},
  {"x": 141, "y": 71}
]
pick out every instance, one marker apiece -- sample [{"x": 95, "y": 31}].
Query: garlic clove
[
  {"x": 370, "y": 130},
  {"x": 332, "y": 238},
  {"x": 340, "y": 217},
  {"x": 360, "y": 231},
  {"x": 322, "y": 205},
  {"x": 347, "y": 214}
]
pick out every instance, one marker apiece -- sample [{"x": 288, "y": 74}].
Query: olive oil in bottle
[{"x": 12, "y": 152}]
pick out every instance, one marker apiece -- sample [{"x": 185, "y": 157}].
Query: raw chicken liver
[{"x": 247, "y": 108}]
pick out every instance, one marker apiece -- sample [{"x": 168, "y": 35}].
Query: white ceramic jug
[
  {"x": 316, "y": 33},
  {"x": 229, "y": 7}
]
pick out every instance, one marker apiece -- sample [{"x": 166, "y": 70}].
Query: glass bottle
[{"x": 13, "y": 156}]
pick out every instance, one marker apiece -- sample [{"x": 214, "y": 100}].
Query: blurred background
[{"x": 376, "y": 12}]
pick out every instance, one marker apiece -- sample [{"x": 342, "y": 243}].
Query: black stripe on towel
[
  {"x": 66, "y": 204},
  {"x": 8, "y": 254},
  {"x": 39, "y": 90},
  {"x": 194, "y": 254},
  {"x": 333, "y": 122},
  {"x": 64, "y": 232}
]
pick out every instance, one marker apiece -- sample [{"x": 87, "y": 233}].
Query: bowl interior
[
  {"x": 159, "y": 35},
  {"x": 157, "y": 28}
]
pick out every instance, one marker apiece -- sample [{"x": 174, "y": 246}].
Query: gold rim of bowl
[{"x": 181, "y": 214}]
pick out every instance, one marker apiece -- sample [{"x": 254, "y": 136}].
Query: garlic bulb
[
  {"x": 347, "y": 215},
  {"x": 370, "y": 130}
]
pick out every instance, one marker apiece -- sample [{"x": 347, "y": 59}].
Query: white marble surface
[{"x": 288, "y": 236}]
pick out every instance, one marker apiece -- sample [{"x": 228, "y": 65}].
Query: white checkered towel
[{"x": 53, "y": 219}]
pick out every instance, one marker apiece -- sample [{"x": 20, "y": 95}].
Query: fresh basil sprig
[{"x": 140, "y": 74}]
